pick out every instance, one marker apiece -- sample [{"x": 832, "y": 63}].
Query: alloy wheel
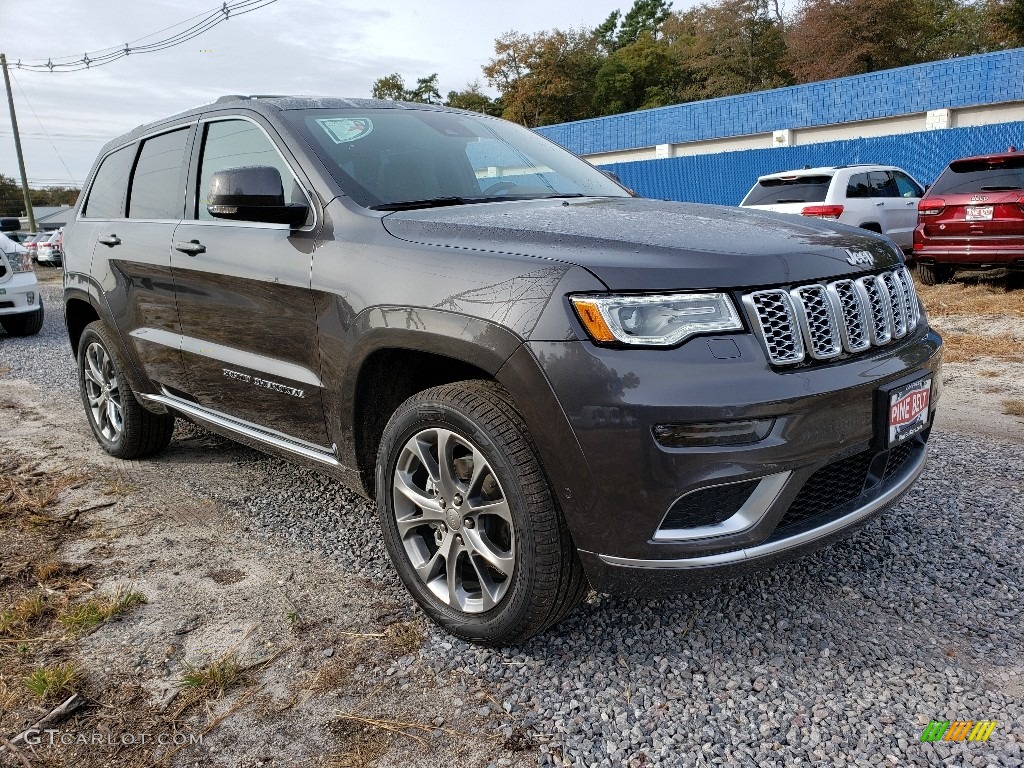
[
  {"x": 103, "y": 389},
  {"x": 454, "y": 520}
]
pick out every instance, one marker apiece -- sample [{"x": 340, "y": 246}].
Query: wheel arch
[{"x": 388, "y": 365}]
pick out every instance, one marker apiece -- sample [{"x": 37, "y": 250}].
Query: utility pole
[{"x": 17, "y": 147}]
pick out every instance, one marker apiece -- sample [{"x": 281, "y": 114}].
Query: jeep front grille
[{"x": 824, "y": 320}]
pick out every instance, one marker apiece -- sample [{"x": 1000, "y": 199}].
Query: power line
[
  {"x": 207, "y": 21},
  {"x": 33, "y": 111}
]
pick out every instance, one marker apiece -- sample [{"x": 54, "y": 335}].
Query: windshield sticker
[{"x": 345, "y": 129}]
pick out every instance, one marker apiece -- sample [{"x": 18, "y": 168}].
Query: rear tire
[
  {"x": 122, "y": 427},
  {"x": 932, "y": 274},
  {"x": 25, "y": 324},
  {"x": 476, "y": 537}
]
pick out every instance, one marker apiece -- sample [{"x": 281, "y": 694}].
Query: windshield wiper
[{"x": 433, "y": 202}]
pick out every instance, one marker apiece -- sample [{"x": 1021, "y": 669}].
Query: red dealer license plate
[{"x": 908, "y": 410}]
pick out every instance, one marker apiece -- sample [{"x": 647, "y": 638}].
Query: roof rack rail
[{"x": 243, "y": 97}]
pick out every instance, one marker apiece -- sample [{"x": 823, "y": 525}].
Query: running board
[{"x": 252, "y": 431}]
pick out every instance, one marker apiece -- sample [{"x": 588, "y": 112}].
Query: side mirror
[{"x": 254, "y": 193}]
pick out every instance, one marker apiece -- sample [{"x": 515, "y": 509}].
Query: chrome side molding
[{"x": 253, "y": 431}]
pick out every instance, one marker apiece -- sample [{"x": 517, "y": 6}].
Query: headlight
[
  {"x": 20, "y": 261},
  {"x": 663, "y": 320}
]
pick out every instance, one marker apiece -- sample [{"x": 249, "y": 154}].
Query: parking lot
[{"x": 841, "y": 658}]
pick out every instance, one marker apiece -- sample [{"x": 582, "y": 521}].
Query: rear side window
[
  {"x": 793, "y": 189},
  {"x": 858, "y": 186},
  {"x": 156, "y": 191},
  {"x": 986, "y": 175},
  {"x": 106, "y": 197}
]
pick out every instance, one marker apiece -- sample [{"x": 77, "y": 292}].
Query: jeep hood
[{"x": 637, "y": 244}]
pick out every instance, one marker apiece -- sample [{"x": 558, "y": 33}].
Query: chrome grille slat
[
  {"x": 824, "y": 320},
  {"x": 773, "y": 312},
  {"x": 817, "y": 320},
  {"x": 899, "y": 303},
  {"x": 850, "y": 308}
]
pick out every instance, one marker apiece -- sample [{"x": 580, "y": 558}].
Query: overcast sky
[{"x": 310, "y": 47}]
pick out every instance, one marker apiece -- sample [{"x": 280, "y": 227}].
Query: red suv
[{"x": 972, "y": 217}]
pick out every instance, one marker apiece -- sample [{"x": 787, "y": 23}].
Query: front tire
[
  {"x": 122, "y": 427},
  {"x": 469, "y": 519},
  {"x": 24, "y": 324}
]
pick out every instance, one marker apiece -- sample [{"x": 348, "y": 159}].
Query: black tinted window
[
  {"x": 858, "y": 186},
  {"x": 967, "y": 176},
  {"x": 883, "y": 184},
  {"x": 156, "y": 184},
  {"x": 797, "y": 189},
  {"x": 106, "y": 198}
]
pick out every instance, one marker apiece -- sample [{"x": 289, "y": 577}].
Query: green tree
[
  {"x": 835, "y": 38},
  {"x": 475, "y": 100},
  {"x": 735, "y": 46},
  {"x": 389, "y": 87},
  {"x": 547, "y": 77},
  {"x": 1007, "y": 22},
  {"x": 426, "y": 91}
]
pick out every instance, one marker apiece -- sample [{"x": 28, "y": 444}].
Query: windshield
[
  {"x": 396, "y": 158},
  {"x": 985, "y": 175}
]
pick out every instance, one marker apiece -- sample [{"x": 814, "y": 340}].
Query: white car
[
  {"x": 21, "y": 305},
  {"x": 48, "y": 251},
  {"x": 881, "y": 198}
]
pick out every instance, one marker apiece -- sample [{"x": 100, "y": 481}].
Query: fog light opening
[
  {"x": 713, "y": 433},
  {"x": 30, "y": 296}
]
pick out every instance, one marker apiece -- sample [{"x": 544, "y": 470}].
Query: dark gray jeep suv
[{"x": 544, "y": 382}]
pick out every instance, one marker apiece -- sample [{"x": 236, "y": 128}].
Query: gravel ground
[{"x": 840, "y": 658}]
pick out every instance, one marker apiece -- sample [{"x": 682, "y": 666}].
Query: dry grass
[
  {"x": 963, "y": 348},
  {"x": 52, "y": 682},
  {"x": 1014, "y": 408},
  {"x": 82, "y": 617},
  {"x": 980, "y": 299},
  {"x": 214, "y": 678},
  {"x": 15, "y": 621},
  {"x": 27, "y": 492},
  {"x": 118, "y": 487},
  {"x": 368, "y": 649},
  {"x": 989, "y": 374}
]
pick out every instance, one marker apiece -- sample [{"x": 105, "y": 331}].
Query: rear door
[
  {"x": 895, "y": 193},
  {"x": 134, "y": 204},
  {"x": 248, "y": 324}
]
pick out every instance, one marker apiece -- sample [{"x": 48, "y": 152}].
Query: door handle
[
  {"x": 109, "y": 240},
  {"x": 192, "y": 247}
]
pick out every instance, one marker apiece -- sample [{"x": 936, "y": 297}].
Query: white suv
[
  {"x": 21, "y": 305},
  {"x": 881, "y": 198}
]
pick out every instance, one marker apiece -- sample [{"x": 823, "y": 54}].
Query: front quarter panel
[{"x": 373, "y": 292}]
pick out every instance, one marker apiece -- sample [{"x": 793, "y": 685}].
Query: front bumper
[
  {"x": 19, "y": 294},
  {"x": 826, "y": 419}
]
